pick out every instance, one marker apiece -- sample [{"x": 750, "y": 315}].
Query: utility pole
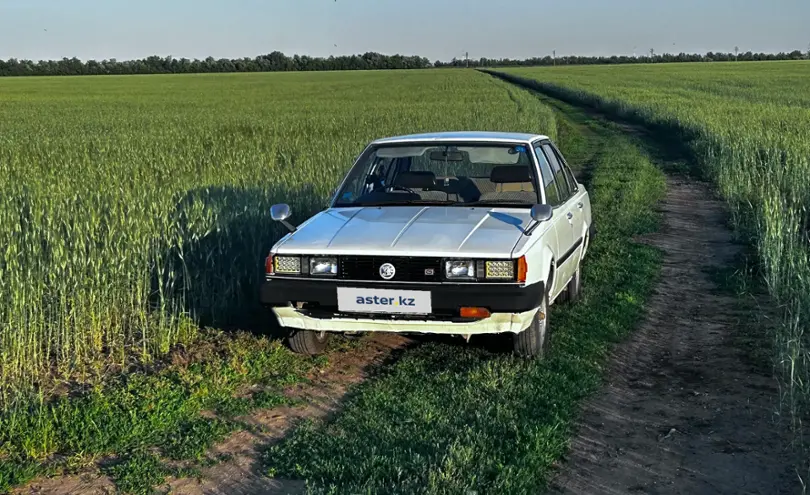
[
  {"x": 467, "y": 59},
  {"x": 554, "y": 57},
  {"x": 736, "y": 53}
]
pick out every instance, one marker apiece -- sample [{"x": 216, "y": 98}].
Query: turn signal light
[
  {"x": 268, "y": 265},
  {"x": 523, "y": 268},
  {"x": 475, "y": 313}
]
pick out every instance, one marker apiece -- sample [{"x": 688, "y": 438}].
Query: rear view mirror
[
  {"x": 542, "y": 213},
  {"x": 447, "y": 156},
  {"x": 280, "y": 213}
]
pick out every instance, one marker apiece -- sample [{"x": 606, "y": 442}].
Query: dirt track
[{"x": 682, "y": 410}]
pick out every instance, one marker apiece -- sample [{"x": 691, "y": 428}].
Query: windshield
[{"x": 463, "y": 174}]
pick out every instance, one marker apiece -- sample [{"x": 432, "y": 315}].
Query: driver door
[
  {"x": 560, "y": 221},
  {"x": 567, "y": 262}
]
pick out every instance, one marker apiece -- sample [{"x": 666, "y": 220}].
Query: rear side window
[
  {"x": 572, "y": 181},
  {"x": 549, "y": 183},
  {"x": 559, "y": 175}
]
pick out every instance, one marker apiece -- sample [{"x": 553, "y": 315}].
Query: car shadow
[
  {"x": 494, "y": 343},
  {"x": 214, "y": 267}
]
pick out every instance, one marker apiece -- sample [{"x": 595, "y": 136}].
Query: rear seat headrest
[{"x": 510, "y": 174}]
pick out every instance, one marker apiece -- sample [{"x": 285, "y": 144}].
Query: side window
[
  {"x": 572, "y": 182},
  {"x": 549, "y": 183},
  {"x": 559, "y": 175}
]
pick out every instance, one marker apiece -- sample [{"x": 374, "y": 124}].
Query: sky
[{"x": 437, "y": 29}]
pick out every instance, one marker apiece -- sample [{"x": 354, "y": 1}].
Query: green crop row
[
  {"x": 133, "y": 209},
  {"x": 748, "y": 126}
]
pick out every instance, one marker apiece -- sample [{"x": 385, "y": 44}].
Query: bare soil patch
[{"x": 683, "y": 410}]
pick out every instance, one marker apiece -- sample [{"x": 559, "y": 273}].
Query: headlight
[
  {"x": 287, "y": 264},
  {"x": 504, "y": 270},
  {"x": 323, "y": 266},
  {"x": 459, "y": 270}
]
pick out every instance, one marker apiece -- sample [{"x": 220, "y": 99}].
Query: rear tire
[
  {"x": 308, "y": 342},
  {"x": 534, "y": 341},
  {"x": 574, "y": 287}
]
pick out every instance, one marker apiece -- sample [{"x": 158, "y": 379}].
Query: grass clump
[
  {"x": 138, "y": 473},
  {"x": 195, "y": 437}
]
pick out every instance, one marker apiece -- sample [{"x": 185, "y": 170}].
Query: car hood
[{"x": 410, "y": 230}]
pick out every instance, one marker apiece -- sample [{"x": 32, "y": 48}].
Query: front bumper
[
  {"x": 497, "y": 323},
  {"x": 312, "y": 305}
]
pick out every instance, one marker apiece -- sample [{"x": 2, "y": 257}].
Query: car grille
[{"x": 408, "y": 269}]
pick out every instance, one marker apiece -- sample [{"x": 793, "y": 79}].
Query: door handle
[
  {"x": 570, "y": 215},
  {"x": 580, "y": 205}
]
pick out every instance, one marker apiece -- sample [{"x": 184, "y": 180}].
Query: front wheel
[
  {"x": 308, "y": 342},
  {"x": 534, "y": 341}
]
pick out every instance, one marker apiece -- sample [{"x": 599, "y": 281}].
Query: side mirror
[
  {"x": 542, "y": 213},
  {"x": 280, "y": 213}
]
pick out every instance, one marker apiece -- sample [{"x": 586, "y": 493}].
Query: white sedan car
[{"x": 459, "y": 233}]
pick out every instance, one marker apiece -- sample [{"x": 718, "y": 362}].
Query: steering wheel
[{"x": 397, "y": 187}]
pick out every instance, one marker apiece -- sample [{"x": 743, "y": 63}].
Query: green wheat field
[
  {"x": 132, "y": 207},
  {"x": 134, "y": 225}
]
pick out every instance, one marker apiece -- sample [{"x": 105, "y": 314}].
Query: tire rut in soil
[{"x": 682, "y": 411}]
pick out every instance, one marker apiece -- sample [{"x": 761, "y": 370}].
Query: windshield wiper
[
  {"x": 402, "y": 202},
  {"x": 509, "y": 202}
]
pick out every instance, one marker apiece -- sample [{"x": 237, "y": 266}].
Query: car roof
[{"x": 511, "y": 137}]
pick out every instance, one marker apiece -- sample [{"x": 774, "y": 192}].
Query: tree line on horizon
[{"x": 279, "y": 62}]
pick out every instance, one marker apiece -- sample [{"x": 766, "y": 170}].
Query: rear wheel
[
  {"x": 308, "y": 342},
  {"x": 575, "y": 287},
  {"x": 534, "y": 341}
]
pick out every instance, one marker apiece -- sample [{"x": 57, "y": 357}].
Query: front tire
[
  {"x": 534, "y": 341},
  {"x": 308, "y": 342}
]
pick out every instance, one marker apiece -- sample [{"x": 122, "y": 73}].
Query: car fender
[
  {"x": 540, "y": 261},
  {"x": 289, "y": 235}
]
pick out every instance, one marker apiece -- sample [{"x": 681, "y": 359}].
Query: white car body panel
[{"x": 475, "y": 232}]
